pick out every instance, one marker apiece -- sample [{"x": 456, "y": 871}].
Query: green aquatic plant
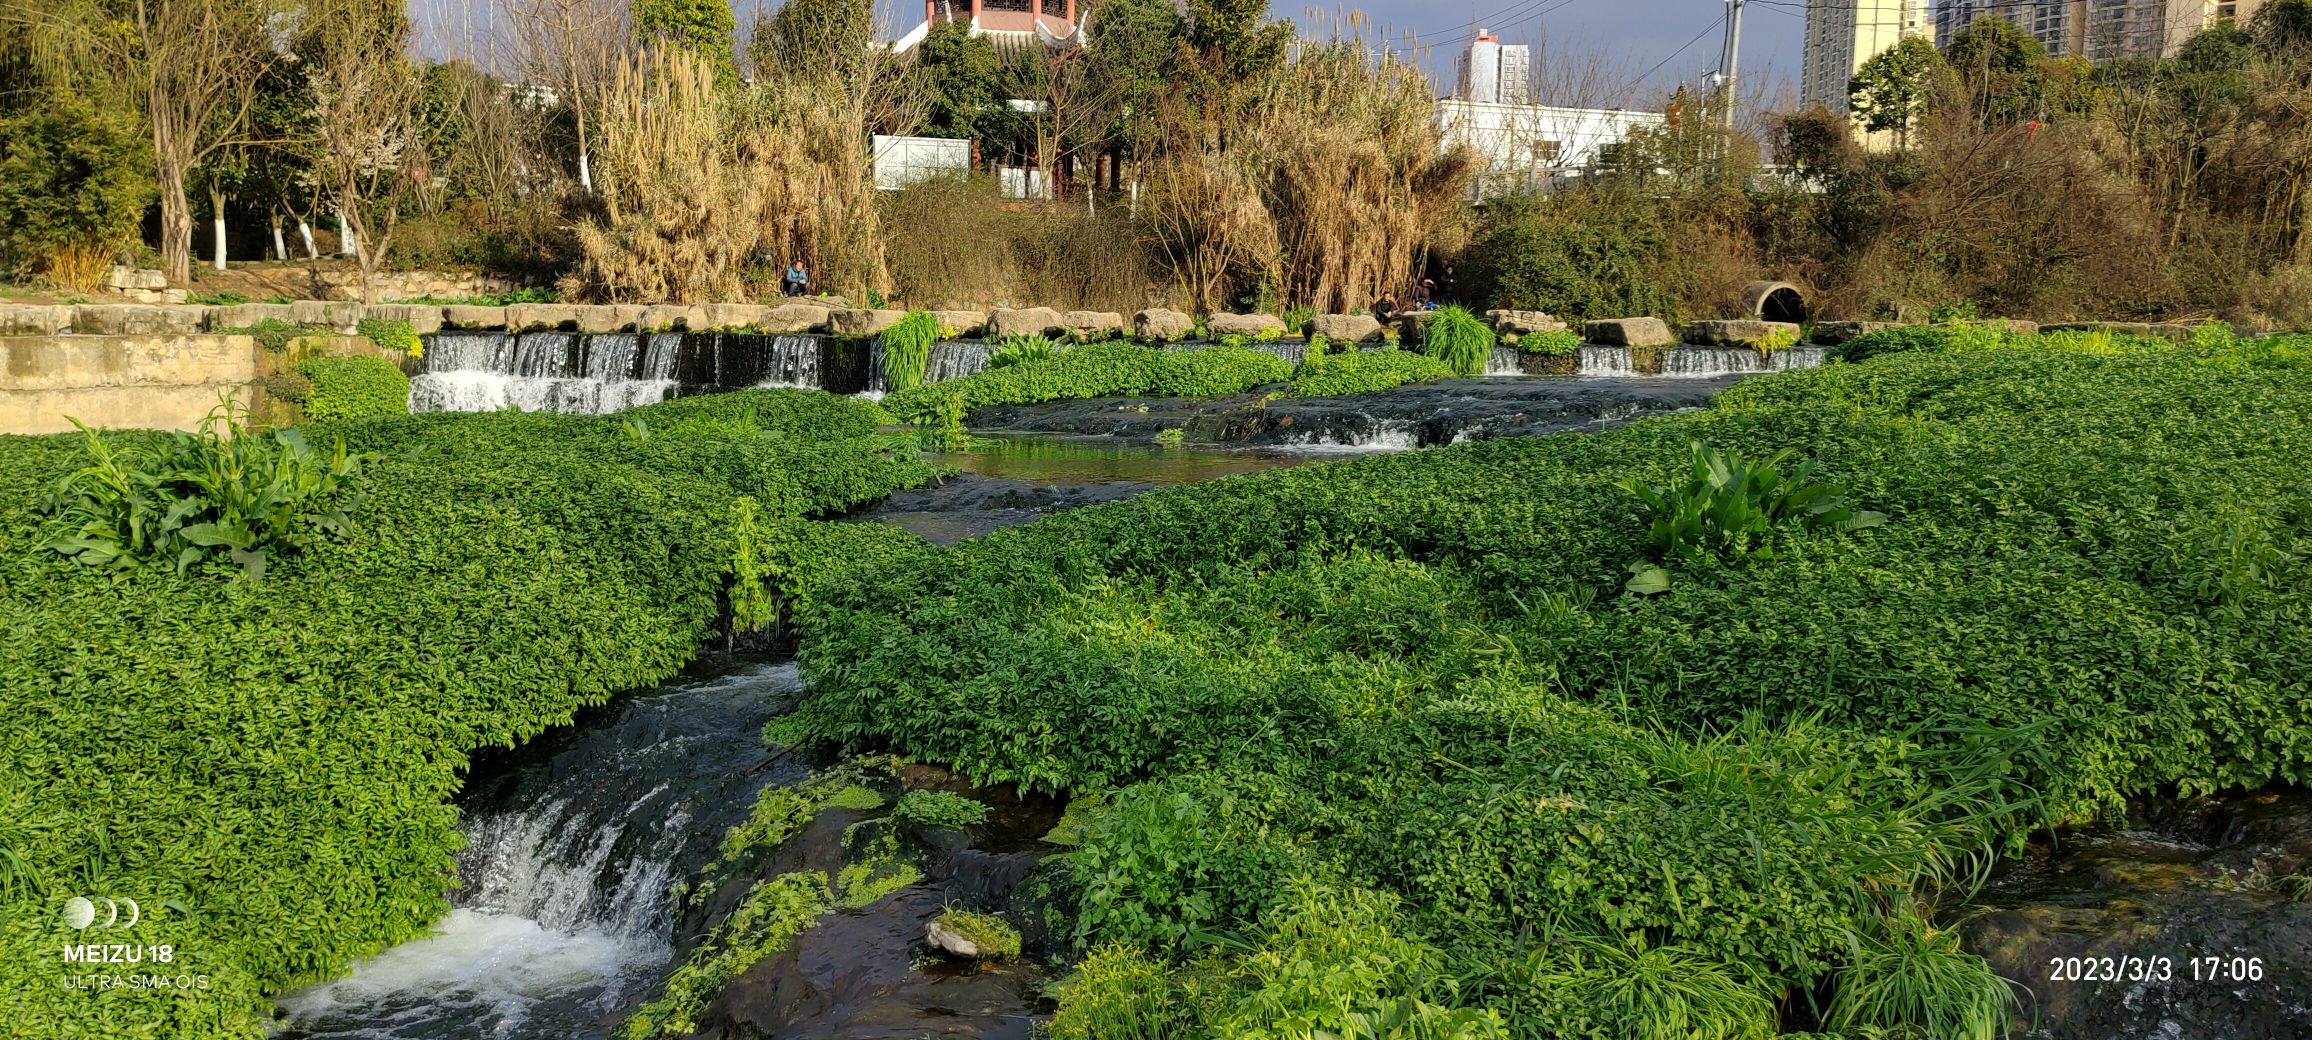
[
  {"x": 1019, "y": 350},
  {"x": 1550, "y": 344},
  {"x": 1363, "y": 371},
  {"x": 1914, "y": 975},
  {"x": 1463, "y": 341},
  {"x": 393, "y": 334},
  {"x": 907, "y": 350},
  {"x": 176, "y": 499},
  {"x": 353, "y": 386},
  {"x": 937, "y": 809},
  {"x": 1728, "y": 508},
  {"x": 992, "y": 935}
]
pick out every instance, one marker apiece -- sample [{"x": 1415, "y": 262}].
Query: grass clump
[
  {"x": 1363, "y": 371},
  {"x": 1459, "y": 339},
  {"x": 392, "y": 334},
  {"x": 1550, "y": 344},
  {"x": 937, "y": 809},
  {"x": 907, "y": 350},
  {"x": 994, "y": 936},
  {"x": 274, "y": 334},
  {"x": 1019, "y": 350},
  {"x": 353, "y": 386}
]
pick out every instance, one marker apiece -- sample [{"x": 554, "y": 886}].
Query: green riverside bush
[
  {"x": 1096, "y": 370},
  {"x": 1463, "y": 341},
  {"x": 1418, "y": 676},
  {"x": 265, "y": 766},
  {"x": 1363, "y": 371},
  {"x": 354, "y": 386}
]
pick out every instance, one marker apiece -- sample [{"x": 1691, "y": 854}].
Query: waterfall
[
  {"x": 588, "y": 373},
  {"x": 1606, "y": 361},
  {"x": 1503, "y": 362},
  {"x": 792, "y": 361},
  {"x": 955, "y": 359},
  {"x": 565, "y": 916}
]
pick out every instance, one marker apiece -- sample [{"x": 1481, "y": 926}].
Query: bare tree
[
  {"x": 368, "y": 148},
  {"x": 570, "y": 47}
]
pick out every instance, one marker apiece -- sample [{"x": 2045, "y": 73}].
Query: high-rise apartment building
[
  {"x": 2098, "y": 29},
  {"x": 1842, "y": 34},
  {"x": 1494, "y": 72}
]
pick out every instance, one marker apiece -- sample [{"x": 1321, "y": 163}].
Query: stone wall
[{"x": 152, "y": 381}]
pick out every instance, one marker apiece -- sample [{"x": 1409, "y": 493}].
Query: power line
[{"x": 1643, "y": 76}]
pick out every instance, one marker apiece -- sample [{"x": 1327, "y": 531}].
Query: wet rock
[
  {"x": 1346, "y": 328},
  {"x": 1629, "y": 332},
  {"x": 1226, "y": 324},
  {"x": 2191, "y": 890},
  {"x": 1412, "y": 324},
  {"x": 1160, "y": 323},
  {"x": 1523, "y": 323},
  {"x": 1028, "y": 321}
]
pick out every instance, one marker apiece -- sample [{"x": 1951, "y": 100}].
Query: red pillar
[
  {"x": 1071, "y": 14},
  {"x": 975, "y": 12},
  {"x": 930, "y": 11},
  {"x": 1035, "y": 12}
]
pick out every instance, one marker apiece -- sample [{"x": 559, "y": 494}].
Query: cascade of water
[
  {"x": 1503, "y": 362},
  {"x": 793, "y": 361},
  {"x": 565, "y": 912},
  {"x": 1606, "y": 361},
  {"x": 541, "y": 371},
  {"x": 955, "y": 359}
]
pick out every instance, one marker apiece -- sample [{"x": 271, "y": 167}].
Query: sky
[{"x": 1611, "y": 53}]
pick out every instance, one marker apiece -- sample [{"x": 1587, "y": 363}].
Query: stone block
[
  {"x": 341, "y": 315},
  {"x": 1346, "y": 328},
  {"x": 243, "y": 315},
  {"x": 34, "y": 320},
  {"x": 669, "y": 317},
  {"x": 734, "y": 315},
  {"x": 1412, "y": 324},
  {"x": 138, "y": 319},
  {"x": 597, "y": 318},
  {"x": 965, "y": 323},
  {"x": 1226, "y": 324},
  {"x": 1093, "y": 323},
  {"x": 541, "y": 316},
  {"x": 1162, "y": 324},
  {"x": 1738, "y": 332},
  {"x": 1025, "y": 321},
  {"x": 861, "y": 321},
  {"x": 422, "y": 317},
  {"x": 789, "y": 318},
  {"x": 1628, "y": 332},
  {"x": 136, "y": 278},
  {"x": 462, "y": 316},
  {"x": 1833, "y": 333},
  {"x": 1523, "y": 323}
]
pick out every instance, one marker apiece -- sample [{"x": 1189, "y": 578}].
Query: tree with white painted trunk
[
  {"x": 368, "y": 150},
  {"x": 570, "y": 46}
]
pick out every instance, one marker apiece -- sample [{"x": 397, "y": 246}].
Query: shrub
[
  {"x": 1552, "y": 344},
  {"x": 1580, "y": 255},
  {"x": 176, "y": 500},
  {"x": 937, "y": 809},
  {"x": 1363, "y": 371},
  {"x": 392, "y": 334},
  {"x": 357, "y": 386},
  {"x": 907, "y": 350},
  {"x": 1463, "y": 341},
  {"x": 72, "y": 177}
]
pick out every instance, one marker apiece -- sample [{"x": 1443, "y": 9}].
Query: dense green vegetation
[
  {"x": 263, "y": 763},
  {"x": 354, "y": 386},
  {"x": 1388, "y": 741},
  {"x": 1463, "y": 341},
  {"x": 907, "y": 350},
  {"x": 1095, "y": 370},
  {"x": 1363, "y": 371}
]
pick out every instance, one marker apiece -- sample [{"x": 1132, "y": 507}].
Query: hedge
[{"x": 265, "y": 765}]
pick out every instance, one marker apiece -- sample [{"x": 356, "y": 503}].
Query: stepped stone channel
[{"x": 598, "y": 372}]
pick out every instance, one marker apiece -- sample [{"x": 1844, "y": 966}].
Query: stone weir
[{"x": 596, "y": 372}]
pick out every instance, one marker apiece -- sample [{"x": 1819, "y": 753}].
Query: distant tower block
[{"x": 1493, "y": 73}]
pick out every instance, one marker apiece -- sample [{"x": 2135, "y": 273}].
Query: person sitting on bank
[
  {"x": 1385, "y": 308},
  {"x": 1424, "y": 296},
  {"x": 798, "y": 279}
]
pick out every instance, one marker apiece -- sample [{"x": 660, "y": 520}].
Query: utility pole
[{"x": 1729, "y": 60}]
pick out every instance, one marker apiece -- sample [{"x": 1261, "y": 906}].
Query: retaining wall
[{"x": 153, "y": 381}]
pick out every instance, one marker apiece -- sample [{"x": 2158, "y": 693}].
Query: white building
[
  {"x": 2098, "y": 29},
  {"x": 1493, "y": 72},
  {"x": 1842, "y": 34},
  {"x": 1524, "y": 146}
]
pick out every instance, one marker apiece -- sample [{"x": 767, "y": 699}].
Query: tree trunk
[
  {"x": 280, "y": 248},
  {"x": 305, "y": 230},
  {"x": 176, "y": 225}
]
